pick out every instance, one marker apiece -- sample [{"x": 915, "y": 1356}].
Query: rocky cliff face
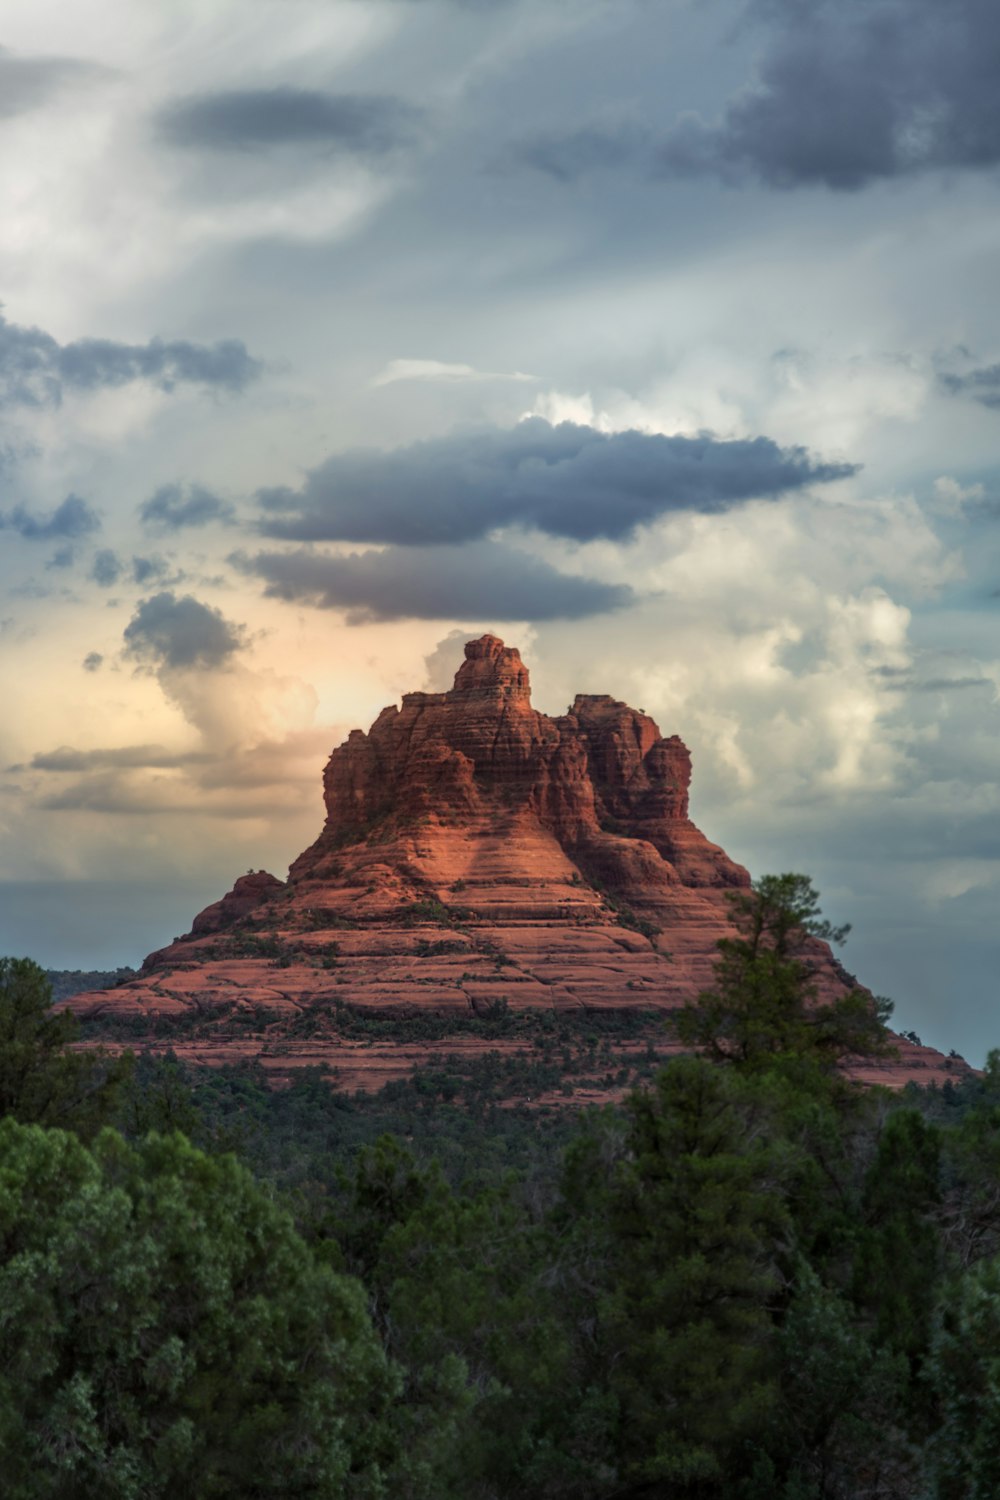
[
  {"x": 598, "y": 785},
  {"x": 475, "y": 852}
]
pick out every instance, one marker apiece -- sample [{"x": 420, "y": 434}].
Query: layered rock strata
[{"x": 477, "y": 857}]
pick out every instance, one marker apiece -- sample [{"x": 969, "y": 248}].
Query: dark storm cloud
[
  {"x": 173, "y": 507},
  {"x": 481, "y": 581},
  {"x": 249, "y": 119},
  {"x": 35, "y": 369},
  {"x": 106, "y": 568},
  {"x": 167, "y": 631},
  {"x": 568, "y": 480},
  {"x": 850, "y": 91},
  {"x": 982, "y": 385},
  {"x": 127, "y": 757},
  {"x": 27, "y": 82},
  {"x": 73, "y": 518},
  {"x": 846, "y": 92}
]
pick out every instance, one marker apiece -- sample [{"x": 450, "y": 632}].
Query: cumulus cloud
[
  {"x": 174, "y": 506},
  {"x": 850, "y": 91},
  {"x": 167, "y": 631},
  {"x": 566, "y": 480},
  {"x": 36, "y": 370},
  {"x": 28, "y": 81},
  {"x": 484, "y": 580},
  {"x": 106, "y": 568},
  {"x": 250, "y": 119},
  {"x": 93, "y": 661},
  {"x": 444, "y": 661},
  {"x": 73, "y": 518},
  {"x": 847, "y": 92}
]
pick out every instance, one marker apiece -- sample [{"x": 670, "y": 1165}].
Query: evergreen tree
[
  {"x": 764, "y": 1005},
  {"x": 42, "y": 1079},
  {"x": 964, "y": 1372},
  {"x": 697, "y": 1220}
]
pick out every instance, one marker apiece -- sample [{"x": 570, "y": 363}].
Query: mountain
[{"x": 483, "y": 869}]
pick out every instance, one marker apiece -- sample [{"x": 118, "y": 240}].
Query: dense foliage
[
  {"x": 753, "y": 1280},
  {"x": 42, "y": 1079}
]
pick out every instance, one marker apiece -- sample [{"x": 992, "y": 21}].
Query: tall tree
[
  {"x": 764, "y": 1004},
  {"x": 42, "y": 1079},
  {"x": 696, "y": 1220}
]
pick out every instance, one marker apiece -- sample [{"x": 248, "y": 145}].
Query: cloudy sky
[{"x": 659, "y": 336}]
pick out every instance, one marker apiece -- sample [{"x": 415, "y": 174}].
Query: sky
[{"x": 659, "y": 337}]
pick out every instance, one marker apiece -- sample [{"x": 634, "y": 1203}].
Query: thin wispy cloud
[
  {"x": 285, "y": 116},
  {"x": 436, "y": 369},
  {"x": 29, "y": 81}
]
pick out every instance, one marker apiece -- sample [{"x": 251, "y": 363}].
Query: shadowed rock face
[
  {"x": 251, "y": 890},
  {"x": 474, "y": 850}
]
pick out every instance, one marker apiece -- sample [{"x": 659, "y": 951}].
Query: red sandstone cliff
[{"x": 474, "y": 849}]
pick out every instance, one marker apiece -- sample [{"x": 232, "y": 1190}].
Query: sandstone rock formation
[{"x": 477, "y": 855}]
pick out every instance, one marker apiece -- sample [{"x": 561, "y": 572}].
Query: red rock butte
[{"x": 475, "y": 851}]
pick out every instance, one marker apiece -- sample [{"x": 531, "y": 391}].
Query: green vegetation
[
  {"x": 751, "y": 1281},
  {"x": 167, "y": 1332},
  {"x": 43, "y": 1081},
  {"x": 763, "y": 1009}
]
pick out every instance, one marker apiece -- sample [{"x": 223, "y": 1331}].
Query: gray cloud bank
[
  {"x": 35, "y": 369},
  {"x": 481, "y": 580},
  {"x": 566, "y": 480},
  {"x": 847, "y": 92},
  {"x": 251, "y": 119},
  {"x": 167, "y": 631}
]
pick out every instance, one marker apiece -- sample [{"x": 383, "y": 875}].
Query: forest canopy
[{"x": 751, "y": 1279}]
